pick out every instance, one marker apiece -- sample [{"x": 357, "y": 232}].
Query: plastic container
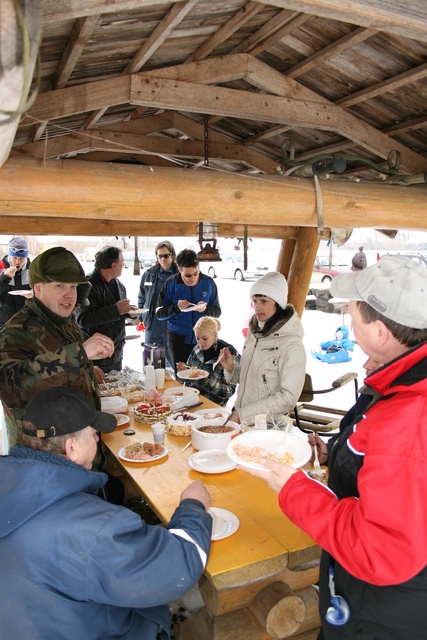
[{"x": 203, "y": 440}]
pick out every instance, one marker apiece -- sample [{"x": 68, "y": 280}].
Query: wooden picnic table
[{"x": 258, "y": 581}]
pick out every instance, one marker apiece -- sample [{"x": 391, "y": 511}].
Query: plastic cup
[
  {"x": 160, "y": 378},
  {"x": 158, "y": 432}
]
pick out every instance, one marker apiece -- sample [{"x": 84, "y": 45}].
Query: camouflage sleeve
[{"x": 31, "y": 361}]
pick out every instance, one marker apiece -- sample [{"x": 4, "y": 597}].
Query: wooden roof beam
[{"x": 136, "y": 193}]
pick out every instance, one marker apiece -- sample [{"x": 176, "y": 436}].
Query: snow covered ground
[{"x": 234, "y": 300}]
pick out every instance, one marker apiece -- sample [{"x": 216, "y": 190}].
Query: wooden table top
[{"x": 265, "y": 543}]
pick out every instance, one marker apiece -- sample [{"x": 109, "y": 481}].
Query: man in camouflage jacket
[{"x": 41, "y": 346}]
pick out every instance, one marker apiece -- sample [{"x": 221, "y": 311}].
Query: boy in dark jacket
[{"x": 183, "y": 300}]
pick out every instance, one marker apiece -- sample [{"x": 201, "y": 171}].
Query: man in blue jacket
[
  {"x": 76, "y": 566},
  {"x": 183, "y": 300}
]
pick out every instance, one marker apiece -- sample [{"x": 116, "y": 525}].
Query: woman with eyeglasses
[
  {"x": 13, "y": 277},
  {"x": 152, "y": 280},
  {"x": 183, "y": 300}
]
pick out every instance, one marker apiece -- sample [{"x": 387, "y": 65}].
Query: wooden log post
[
  {"x": 301, "y": 268},
  {"x": 283, "y": 612}
]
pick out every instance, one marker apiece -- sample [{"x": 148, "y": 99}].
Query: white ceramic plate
[
  {"x": 271, "y": 440},
  {"x": 211, "y": 461},
  {"x": 224, "y": 523},
  {"x": 122, "y": 456},
  {"x": 208, "y": 414},
  {"x": 195, "y": 307},
  {"x": 185, "y": 375},
  {"x": 122, "y": 419}
]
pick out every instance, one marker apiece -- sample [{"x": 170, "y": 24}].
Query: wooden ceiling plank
[
  {"x": 172, "y": 19},
  {"x": 145, "y": 159},
  {"x": 185, "y": 96},
  {"x": 265, "y": 135},
  {"x": 122, "y": 143},
  {"x": 231, "y": 26},
  {"x": 39, "y": 131},
  {"x": 196, "y": 130},
  {"x": 403, "y": 18},
  {"x": 56, "y": 10},
  {"x": 80, "y": 35},
  {"x": 329, "y": 148},
  {"x": 211, "y": 71},
  {"x": 334, "y": 49},
  {"x": 280, "y": 20},
  {"x": 346, "y": 124},
  {"x": 408, "y": 125},
  {"x": 94, "y": 118},
  {"x": 85, "y": 97},
  {"x": 72, "y": 189},
  {"x": 296, "y": 22},
  {"x": 391, "y": 84},
  {"x": 150, "y": 124}
]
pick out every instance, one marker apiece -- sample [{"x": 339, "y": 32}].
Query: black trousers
[{"x": 178, "y": 348}]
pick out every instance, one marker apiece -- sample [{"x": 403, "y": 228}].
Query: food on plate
[
  {"x": 151, "y": 412},
  {"x": 133, "y": 396},
  {"x": 197, "y": 373},
  {"x": 213, "y": 429},
  {"x": 179, "y": 424},
  {"x": 212, "y": 416},
  {"x": 322, "y": 477},
  {"x": 143, "y": 450},
  {"x": 254, "y": 454}
]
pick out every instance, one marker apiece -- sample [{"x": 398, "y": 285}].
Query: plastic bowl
[{"x": 114, "y": 404}]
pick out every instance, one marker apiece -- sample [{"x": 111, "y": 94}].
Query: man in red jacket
[{"x": 372, "y": 519}]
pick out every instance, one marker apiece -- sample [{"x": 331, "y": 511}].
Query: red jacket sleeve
[{"x": 380, "y": 537}]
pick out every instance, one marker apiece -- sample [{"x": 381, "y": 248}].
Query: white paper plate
[
  {"x": 271, "y": 439},
  {"x": 185, "y": 375},
  {"x": 211, "y": 461},
  {"x": 196, "y": 307},
  {"x": 225, "y": 523},
  {"x": 122, "y": 419},
  {"x": 208, "y": 414},
  {"x": 21, "y": 292},
  {"x": 122, "y": 456},
  {"x": 113, "y": 404}
]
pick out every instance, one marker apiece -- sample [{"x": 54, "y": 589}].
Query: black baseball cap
[{"x": 58, "y": 411}]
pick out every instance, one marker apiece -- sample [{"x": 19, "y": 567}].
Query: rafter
[
  {"x": 292, "y": 104},
  {"x": 334, "y": 49},
  {"x": 391, "y": 84},
  {"x": 224, "y": 32}
]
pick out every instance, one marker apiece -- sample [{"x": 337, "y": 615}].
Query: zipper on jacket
[{"x": 267, "y": 386}]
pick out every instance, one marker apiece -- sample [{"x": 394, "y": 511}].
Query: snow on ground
[{"x": 234, "y": 301}]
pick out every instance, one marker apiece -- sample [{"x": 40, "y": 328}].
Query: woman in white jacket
[{"x": 272, "y": 368}]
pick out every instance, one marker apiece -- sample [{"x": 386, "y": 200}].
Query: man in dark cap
[
  {"x": 14, "y": 277},
  {"x": 73, "y": 565},
  {"x": 41, "y": 346}
]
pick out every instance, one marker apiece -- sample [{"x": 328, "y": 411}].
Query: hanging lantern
[{"x": 208, "y": 232}]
